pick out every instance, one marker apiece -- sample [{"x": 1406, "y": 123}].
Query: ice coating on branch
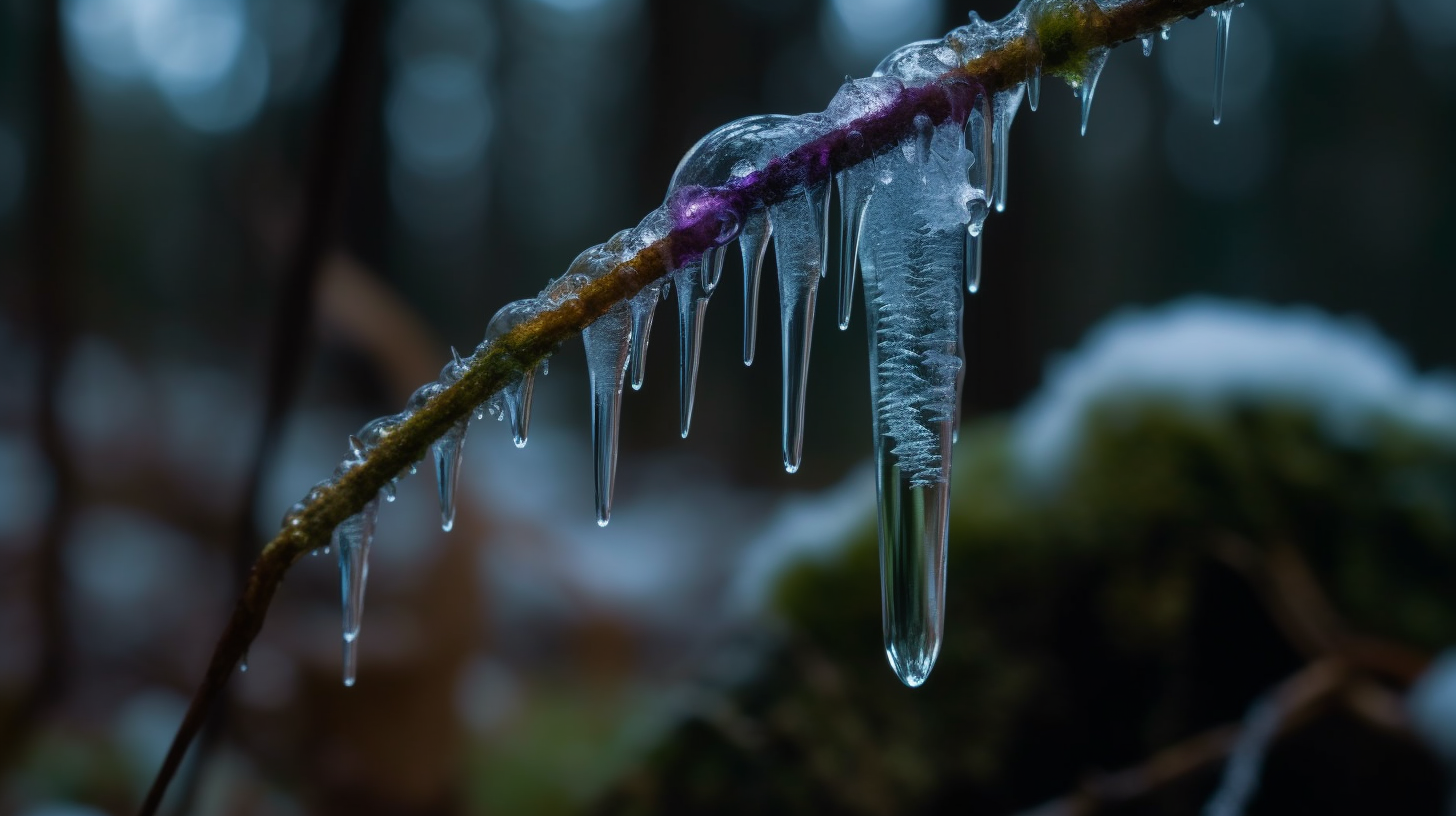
[
  {"x": 1222, "y": 15},
  {"x": 800, "y": 232}
]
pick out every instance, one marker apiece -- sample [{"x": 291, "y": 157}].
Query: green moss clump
[{"x": 1090, "y": 627}]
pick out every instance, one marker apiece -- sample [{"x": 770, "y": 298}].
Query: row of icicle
[{"x": 911, "y": 226}]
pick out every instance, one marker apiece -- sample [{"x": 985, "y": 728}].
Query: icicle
[
  {"x": 1096, "y": 59},
  {"x": 1033, "y": 88},
  {"x": 973, "y": 258},
  {"x": 853, "y": 196},
  {"x": 644, "y": 307},
  {"x": 1007, "y": 104},
  {"x": 800, "y": 238},
  {"x": 1147, "y": 41},
  {"x": 448, "y": 449},
  {"x": 518, "y": 406},
  {"x": 608, "y": 343},
  {"x": 1223, "y": 15},
  {"x": 353, "y": 539},
  {"x": 857, "y": 98},
  {"x": 517, "y": 395},
  {"x": 711, "y": 265},
  {"x": 243, "y": 663},
  {"x": 913, "y": 261},
  {"x": 979, "y": 139},
  {"x": 692, "y": 306},
  {"x": 1165, "y": 29},
  {"x": 753, "y": 244}
]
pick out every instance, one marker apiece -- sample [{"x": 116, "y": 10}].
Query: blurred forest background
[{"x": 231, "y": 231}]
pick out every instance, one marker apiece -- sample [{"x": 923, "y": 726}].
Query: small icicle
[
  {"x": 753, "y": 242},
  {"x": 243, "y": 663},
  {"x": 1223, "y": 15},
  {"x": 1007, "y": 104},
  {"x": 973, "y": 258},
  {"x": 853, "y": 197},
  {"x": 353, "y": 539},
  {"x": 1033, "y": 88},
  {"x": 518, "y": 404},
  {"x": 711, "y": 265},
  {"x": 1165, "y": 29},
  {"x": 608, "y": 343},
  {"x": 390, "y": 491},
  {"x": 692, "y": 307},
  {"x": 448, "y": 449},
  {"x": 517, "y": 395},
  {"x": 1096, "y": 59},
  {"x": 1147, "y": 41},
  {"x": 800, "y": 235},
  {"x": 644, "y": 307}
]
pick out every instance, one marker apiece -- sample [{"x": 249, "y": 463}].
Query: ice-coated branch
[{"x": 1064, "y": 38}]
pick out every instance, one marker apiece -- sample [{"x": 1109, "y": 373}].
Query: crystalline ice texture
[{"x": 912, "y": 251}]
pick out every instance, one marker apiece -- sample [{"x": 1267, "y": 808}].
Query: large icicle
[
  {"x": 912, "y": 256},
  {"x": 1223, "y": 15}
]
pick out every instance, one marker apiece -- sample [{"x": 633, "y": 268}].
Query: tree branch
[{"x": 1059, "y": 37}]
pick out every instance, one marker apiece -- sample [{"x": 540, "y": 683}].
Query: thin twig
[
  {"x": 1058, "y": 40},
  {"x": 1295, "y": 702},
  {"x": 325, "y": 191}
]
